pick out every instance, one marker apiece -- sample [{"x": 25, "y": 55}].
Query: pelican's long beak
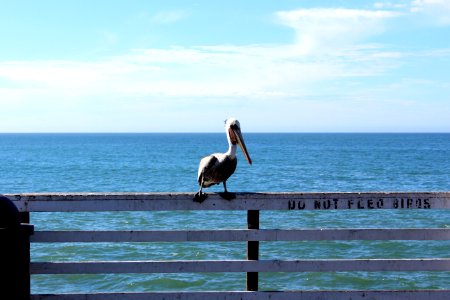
[{"x": 241, "y": 143}]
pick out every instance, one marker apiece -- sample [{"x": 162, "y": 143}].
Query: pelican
[{"x": 218, "y": 167}]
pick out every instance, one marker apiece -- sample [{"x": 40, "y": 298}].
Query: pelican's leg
[
  {"x": 200, "y": 196},
  {"x": 226, "y": 194}
]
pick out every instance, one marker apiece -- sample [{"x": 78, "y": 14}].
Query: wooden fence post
[
  {"x": 14, "y": 252},
  {"x": 252, "y": 249}
]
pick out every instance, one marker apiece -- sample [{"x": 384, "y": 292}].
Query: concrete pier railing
[{"x": 252, "y": 203}]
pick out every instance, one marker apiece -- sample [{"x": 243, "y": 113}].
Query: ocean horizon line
[{"x": 220, "y": 132}]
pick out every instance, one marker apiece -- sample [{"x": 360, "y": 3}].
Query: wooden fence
[{"x": 253, "y": 203}]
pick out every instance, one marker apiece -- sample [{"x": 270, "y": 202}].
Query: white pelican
[{"x": 218, "y": 167}]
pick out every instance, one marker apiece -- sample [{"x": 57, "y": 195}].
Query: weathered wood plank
[
  {"x": 244, "y": 201},
  {"x": 241, "y": 235},
  {"x": 332, "y": 265},
  {"x": 74, "y": 202},
  {"x": 288, "y": 295}
]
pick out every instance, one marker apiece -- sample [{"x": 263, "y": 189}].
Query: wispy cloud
[
  {"x": 323, "y": 29},
  {"x": 392, "y": 5},
  {"x": 436, "y": 11},
  {"x": 329, "y": 59},
  {"x": 330, "y": 45},
  {"x": 208, "y": 71}
]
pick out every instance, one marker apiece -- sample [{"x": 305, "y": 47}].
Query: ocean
[{"x": 282, "y": 162}]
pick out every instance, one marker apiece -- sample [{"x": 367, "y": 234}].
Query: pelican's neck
[{"x": 231, "y": 148}]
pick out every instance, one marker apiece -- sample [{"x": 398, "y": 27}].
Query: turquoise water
[{"x": 281, "y": 162}]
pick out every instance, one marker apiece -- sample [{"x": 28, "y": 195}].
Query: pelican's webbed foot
[
  {"x": 200, "y": 197},
  {"x": 228, "y": 196}
]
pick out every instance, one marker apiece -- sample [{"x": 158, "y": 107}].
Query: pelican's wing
[{"x": 204, "y": 168}]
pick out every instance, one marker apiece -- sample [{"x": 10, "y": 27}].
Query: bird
[{"x": 218, "y": 167}]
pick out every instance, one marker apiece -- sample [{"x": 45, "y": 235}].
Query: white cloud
[
  {"x": 328, "y": 61},
  {"x": 329, "y": 49},
  {"x": 390, "y": 5},
  {"x": 258, "y": 71},
  {"x": 50, "y": 73},
  {"x": 437, "y": 11},
  {"x": 324, "y": 29}
]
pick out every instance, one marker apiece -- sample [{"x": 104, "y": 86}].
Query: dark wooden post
[
  {"x": 252, "y": 249},
  {"x": 14, "y": 252},
  {"x": 24, "y": 217},
  {"x": 23, "y": 261},
  {"x": 23, "y": 251}
]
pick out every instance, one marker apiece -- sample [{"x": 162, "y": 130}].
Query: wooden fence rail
[{"x": 253, "y": 203}]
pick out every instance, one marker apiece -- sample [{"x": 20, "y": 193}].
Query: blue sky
[{"x": 185, "y": 66}]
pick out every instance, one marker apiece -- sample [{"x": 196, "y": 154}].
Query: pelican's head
[{"x": 233, "y": 129}]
